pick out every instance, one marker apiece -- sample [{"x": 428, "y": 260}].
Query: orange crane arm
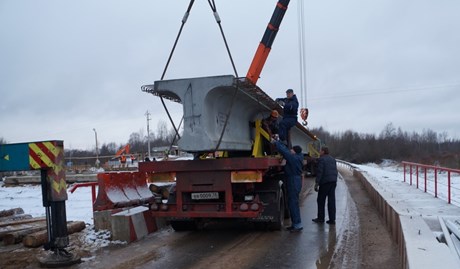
[
  {"x": 124, "y": 149},
  {"x": 267, "y": 40}
]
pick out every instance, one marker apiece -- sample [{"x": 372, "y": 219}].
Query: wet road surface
[{"x": 239, "y": 245}]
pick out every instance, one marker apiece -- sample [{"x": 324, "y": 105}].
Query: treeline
[
  {"x": 138, "y": 142},
  {"x": 393, "y": 143}
]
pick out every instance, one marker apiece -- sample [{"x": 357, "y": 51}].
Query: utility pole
[
  {"x": 148, "y": 131},
  {"x": 97, "y": 152}
]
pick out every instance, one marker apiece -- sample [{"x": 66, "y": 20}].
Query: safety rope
[
  {"x": 176, "y": 135},
  {"x": 228, "y": 116}
]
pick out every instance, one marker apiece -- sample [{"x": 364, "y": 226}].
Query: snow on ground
[
  {"x": 29, "y": 198},
  {"x": 78, "y": 208},
  {"x": 392, "y": 171}
]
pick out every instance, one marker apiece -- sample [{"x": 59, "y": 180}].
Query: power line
[{"x": 387, "y": 91}]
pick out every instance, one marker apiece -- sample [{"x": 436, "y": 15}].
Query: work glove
[
  {"x": 316, "y": 187},
  {"x": 274, "y": 138},
  {"x": 280, "y": 101}
]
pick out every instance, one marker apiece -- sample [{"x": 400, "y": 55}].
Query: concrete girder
[{"x": 206, "y": 103}]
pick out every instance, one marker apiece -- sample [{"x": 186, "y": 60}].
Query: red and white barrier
[{"x": 132, "y": 224}]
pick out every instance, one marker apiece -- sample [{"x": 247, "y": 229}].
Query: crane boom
[{"x": 265, "y": 44}]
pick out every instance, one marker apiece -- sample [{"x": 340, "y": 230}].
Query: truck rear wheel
[{"x": 278, "y": 222}]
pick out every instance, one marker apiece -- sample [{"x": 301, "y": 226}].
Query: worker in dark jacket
[
  {"x": 270, "y": 125},
  {"x": 290, "y": 109},
  {"x": 293, "y": 171},
  {"x": 326, "y": 182}
]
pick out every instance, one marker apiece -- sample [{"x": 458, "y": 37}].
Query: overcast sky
[{"x": 67, "y": 67}]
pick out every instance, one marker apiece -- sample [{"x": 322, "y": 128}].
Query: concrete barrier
[{"x": 132, "y": 224}]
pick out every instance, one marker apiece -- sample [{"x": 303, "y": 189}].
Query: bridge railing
[{"x": 442, "y": 182}]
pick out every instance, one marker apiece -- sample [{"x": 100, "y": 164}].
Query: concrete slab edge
[{"x": 417, "y": 244}]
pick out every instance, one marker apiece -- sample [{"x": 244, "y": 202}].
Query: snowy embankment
[
  {"x": 439, "y": 184},
  {"x": 29, "y": 198}
]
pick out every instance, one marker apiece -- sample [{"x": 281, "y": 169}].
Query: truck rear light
[
  {"x": 246, "y": 176},
  {"x": 244, "y": 207},
  {"x": 255, "y": 207}
]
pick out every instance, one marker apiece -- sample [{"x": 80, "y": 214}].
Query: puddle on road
[{"x": 325, "y": 258}]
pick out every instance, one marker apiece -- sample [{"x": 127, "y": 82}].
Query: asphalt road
[{"x": 239, "y": 245}]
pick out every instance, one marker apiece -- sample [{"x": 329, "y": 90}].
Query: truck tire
[{"x": 278, "y": 223}]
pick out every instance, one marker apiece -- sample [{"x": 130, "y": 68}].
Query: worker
[
  {"x": 123, "y": 160},
  {"x": 133, "y": 158},
  {"x": 270, "y": 125},
  {"x": 326, "y": 182},
  {"x": 293, "y": 171},
  {"x": 290, "y": 108}
]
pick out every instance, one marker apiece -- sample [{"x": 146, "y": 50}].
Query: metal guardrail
[
  {"x": 93, "y": 186},
  {"x": 440, "y": 176},
  {"x": 346, "y": 164}
]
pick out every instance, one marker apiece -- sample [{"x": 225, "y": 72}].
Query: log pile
[
  {"x": 16, "y": 227},
  {"x": 161, "y": 189}
]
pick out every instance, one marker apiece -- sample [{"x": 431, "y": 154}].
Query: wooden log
[
  {"x": 39, "y": 238},
  {"x": 16, "y": 222},
  {"x": 18, "y": 236},
  {"x": 12, "y": 211},
  {"x": 15, "y": 217},
  {"x": 165, "y": 192},
  {"x": 20, "y": 227},
  {"x": 154, "y": 188}
]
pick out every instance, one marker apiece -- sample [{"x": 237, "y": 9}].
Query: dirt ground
[
  {"x": 17, "y": 256},
  {"x": 376, "y": 249}
]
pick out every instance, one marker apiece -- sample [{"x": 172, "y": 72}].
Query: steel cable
[
  {"x": 218, "y": 20},
  {"x": 184, "y": 20}
]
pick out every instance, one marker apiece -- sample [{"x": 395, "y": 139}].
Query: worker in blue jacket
[
  {"x": 293, "y": 172},
  {"x": 290, "y": 109},
  {"x": 326, "y": 182}
]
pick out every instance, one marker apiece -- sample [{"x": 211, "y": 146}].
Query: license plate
[{"x": 205, "y": 195}]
